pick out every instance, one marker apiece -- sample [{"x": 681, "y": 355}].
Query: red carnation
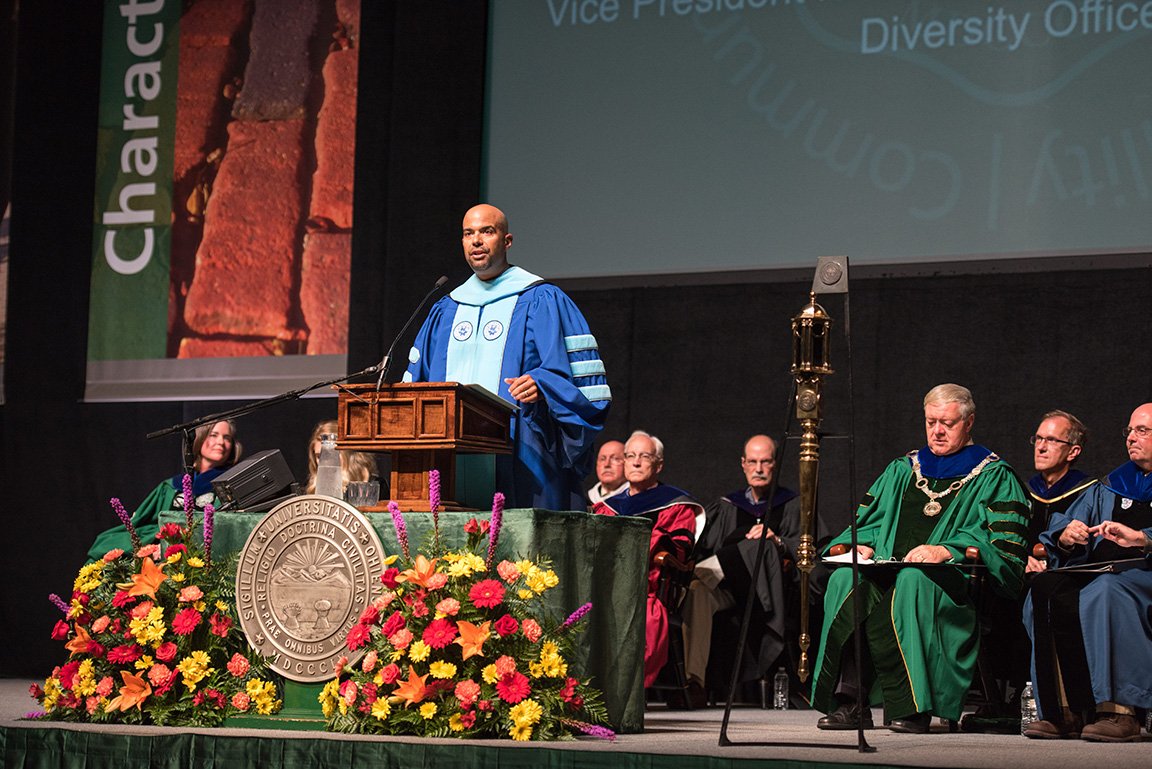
[
  {"x": 486, "y": 594},
  {"x": 358, "y": 636},
  {"x": 513, "y": 687},
  {"x": 392, "y": 624},
  {"x": 173, "y": 549},
  {"x": 468, "y": 719},
  {"x": 506, "y": 626},
  {"x": 439, "y": 633},
  {"x": 185, "y": 621}
]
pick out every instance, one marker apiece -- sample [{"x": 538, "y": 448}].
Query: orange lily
[
  {"x": 422, "y": 571},
  {"x": 146, "y": 582},
  {"x": 413, "y": 690},
  {"x": 472, "y": 637},
  {"x": 79, "y": 644},
  {"x": 134, "y": 691}
]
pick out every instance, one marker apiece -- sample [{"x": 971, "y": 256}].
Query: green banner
[{"x": 128, "y": 316}]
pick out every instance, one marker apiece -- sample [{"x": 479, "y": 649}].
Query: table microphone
[{"x": 387, "y": 360}]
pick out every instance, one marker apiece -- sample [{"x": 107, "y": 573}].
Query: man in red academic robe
[{"x": 673, "y": 514}]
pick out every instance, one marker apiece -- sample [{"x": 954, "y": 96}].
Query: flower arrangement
[
  {"x": 458, "y": 645},
  {"x": 152, "y": 637}
]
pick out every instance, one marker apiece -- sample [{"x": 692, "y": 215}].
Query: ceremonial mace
[{"x": 810, "y": 344}]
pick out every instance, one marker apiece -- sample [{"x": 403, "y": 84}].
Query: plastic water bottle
[
  {"x": 780, "y": 690},
  {"x": 1027, "y": 707},
  {"x": 328, "y": 480}
]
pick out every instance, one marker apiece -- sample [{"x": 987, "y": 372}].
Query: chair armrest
[{"x": 666, "y": 559}]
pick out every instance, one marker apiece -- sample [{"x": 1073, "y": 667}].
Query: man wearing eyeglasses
[
  {"x": 919, "y": 639},
  {"x": 609, "y": 472},
  {"x": 673, "y": 514},
  {"x": 1056, "y": 445},
  {"x": 726, "y": 558},
  {"x": 1091, "y": 629}
]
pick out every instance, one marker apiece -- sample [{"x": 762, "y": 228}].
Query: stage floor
[{"x": 691, "y": 736}]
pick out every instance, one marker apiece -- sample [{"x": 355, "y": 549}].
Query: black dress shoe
[
  {"x": 917, "y": 723},
  {"x": 848, "y": 716}
]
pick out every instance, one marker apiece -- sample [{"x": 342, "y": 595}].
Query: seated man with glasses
[
  {"x": 918, "y": 625},
  {"x": 1092, "y": 631},
  {"x": 673, "y": 514},
  {"x": 1056, "y": 445},
  {"x": 725, "y": 561}
]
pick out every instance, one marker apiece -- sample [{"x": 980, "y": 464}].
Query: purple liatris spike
[
  {"x": 576, "y": 616},
  {"x": 433, "y": 505},
  {"x": 494, "y": 527},
  {"x": 592, "y": 730},
  {"x": 126, "y": 519},
  {"x": 209, "y": 524},
  {"x": 59, "y": 603},
  {"x": 401, "y": 528},
  {"x": 188, "y": 501}
]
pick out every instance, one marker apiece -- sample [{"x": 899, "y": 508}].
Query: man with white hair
[
  {"x": 673, "y": 514},
  {"x": 919, "y": 637}
]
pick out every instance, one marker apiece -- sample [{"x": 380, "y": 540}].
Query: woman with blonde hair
[{"x": 355, "y": 466}]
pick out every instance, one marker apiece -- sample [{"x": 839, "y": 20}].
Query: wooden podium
[{"x": 424, "y": 425}]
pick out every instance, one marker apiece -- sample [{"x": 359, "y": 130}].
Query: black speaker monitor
[{"x": 257, "y": 479}]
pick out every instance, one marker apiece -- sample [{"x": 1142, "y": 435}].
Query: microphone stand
[{"x": 188, "y": 428}]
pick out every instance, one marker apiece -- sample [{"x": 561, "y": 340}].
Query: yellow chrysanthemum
[
  {"x": 52, "y": 691},
  {"x": 263, "y": 694},
  {"x": 524, "y": 594},
  {"x": 194, "y": 668},
  {"x": 442, "y": 669},
  {"x": 466, "y": 565},
  {"x": 396, "y": 655},
  {"x": 521, "y": 733},
  {"x": 419, "y": 651},
  {"x": 175, "y": 557},
  {"x": 144, "y": 662},
  {"x": 390, "y": 560},
  {"x": 428, "y": 710},
  {"x": 221, "y": 606},
  {"x": 328, "y": 696},
  {"x": 84, "y": 683},
  {"x": 524, "y": 566},
  {"x": 89, "y": 577},
  {"x": 381, "y": 709},
  {"x": 195, "y": 561},
  {"x": 149, "y": 629},
  {"x": 526, "y": 712},
  {"x": 455, "y": 723},
  {"x": 489, "y": 674},
  {"x": 179, "y": 577}
]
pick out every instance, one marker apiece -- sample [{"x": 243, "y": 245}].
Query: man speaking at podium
[{"x": 523, "y": 339}]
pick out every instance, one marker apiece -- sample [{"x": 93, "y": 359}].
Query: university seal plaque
[{"x": 306, "y": 573}]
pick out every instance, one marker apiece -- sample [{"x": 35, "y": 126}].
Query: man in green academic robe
[{"x": 935, "y": 506}]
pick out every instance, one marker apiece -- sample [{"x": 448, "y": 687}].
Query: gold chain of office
[{"x": 933, "y": 507}]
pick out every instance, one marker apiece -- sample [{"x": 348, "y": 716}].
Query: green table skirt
[{"x": 602, "y": 559}]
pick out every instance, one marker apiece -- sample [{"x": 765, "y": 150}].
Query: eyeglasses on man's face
[
  {"x": 643, "y": 456},
  {"x": 1142, "y": 431},
  {"x": 1041, "y": 439}
]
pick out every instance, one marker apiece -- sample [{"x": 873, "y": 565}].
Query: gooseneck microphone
[{"x": 386, "y": 361}]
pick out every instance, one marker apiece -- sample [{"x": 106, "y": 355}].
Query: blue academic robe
[
  {"x": 548, "y": 338},
  {"x": 1114, "y": 609}
]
